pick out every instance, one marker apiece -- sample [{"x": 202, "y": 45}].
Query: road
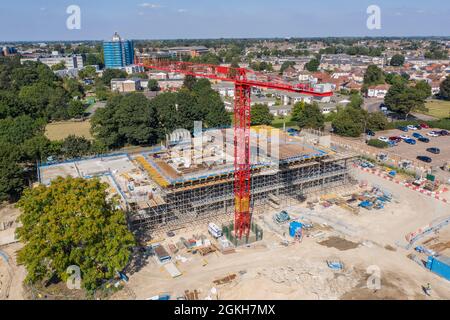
[{"x": 372, "y": 105}]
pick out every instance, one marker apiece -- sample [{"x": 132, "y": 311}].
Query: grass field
[
  {"x": 438, "y": 108},
  {"x": 61, "y": 130},
  {"x": 279, "y": 122}
]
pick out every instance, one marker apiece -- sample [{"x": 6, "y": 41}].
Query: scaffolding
[
  {"x": 162, "y": 193},
  {"x": 212, "y": 200}
]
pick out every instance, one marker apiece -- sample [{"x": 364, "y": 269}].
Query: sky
[{"x": 45, "y": 20}]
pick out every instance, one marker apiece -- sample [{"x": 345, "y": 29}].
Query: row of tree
[{"x": 133, "y": 119}]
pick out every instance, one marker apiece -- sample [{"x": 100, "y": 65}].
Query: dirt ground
[
  {"x": 370, "y": 246},
  {"x": 269, "y": 270}
]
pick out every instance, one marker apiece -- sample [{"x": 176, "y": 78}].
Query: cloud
[
  {"x": 150, "y": 5},
  {"x": 182, "y": 10}
]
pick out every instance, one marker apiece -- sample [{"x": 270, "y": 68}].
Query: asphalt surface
[{"x": 412, "y": 151}]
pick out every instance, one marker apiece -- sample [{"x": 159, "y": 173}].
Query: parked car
[
  {"x": 370, "y": 133},
  {"x": 424, "y": 159},
  {"x": 424, "y": 140},
  {"x": 411, "y": 127},
  {"x": 396, "y": 139},
  {"x": 384, "y": 139},
  {"x": 434, "y": 150},
  {"x": 424, "y": 126},
  {"x": 404, "y": 137},
  {"x": 404, "y": 129},
  {"x": 410, "y": 141},
  {"x": 433, "y": 134},
  {"x": 443, "y": 133},
  {"x": 417, "y": 135}
]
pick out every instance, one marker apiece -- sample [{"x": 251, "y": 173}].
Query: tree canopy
[
  {"x": 351, "y": 121},
  {"x": 261, "y": 115},
  {"x": 308, "y": 115},
  {"x": 374, "y": 76},
  {"x": 71, "y": 222},
  {"x": 404, "y": 99},
  {"x": 445, "y": 89},
  {"x": 128, "y": 119},
  {"x": 397, "y": 60},
  {"x": 312, "y": 65}
]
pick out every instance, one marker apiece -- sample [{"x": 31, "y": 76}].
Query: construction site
[{"x": 190, "y": 182}]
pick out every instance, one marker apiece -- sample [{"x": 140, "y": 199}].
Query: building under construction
[{"x": 191, "y": 180}]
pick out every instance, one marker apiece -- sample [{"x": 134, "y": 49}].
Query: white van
[{"x": 215, "y": 231}]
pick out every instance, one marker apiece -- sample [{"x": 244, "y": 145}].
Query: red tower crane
[{"x": 244, "y": 80}]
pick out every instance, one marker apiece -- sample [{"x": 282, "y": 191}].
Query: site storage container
[
  {"x": 439, "y": 265},
  {"x": 162, "y": 254}
]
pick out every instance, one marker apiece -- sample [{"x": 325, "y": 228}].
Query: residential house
[{"x": 378, "y": 91}]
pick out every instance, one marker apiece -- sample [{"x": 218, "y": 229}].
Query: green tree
[
  {"x": 397, "y": 60},
  {"x": 71, "y": 222},
  {"x": 127, "y": 119},
  {"x": 445, "y": 89},
  {"x": 313, "y": 65},
  {"x": 73, "y": 87},
  {"x": 93, "y": 59},
  {"x": 356, "y": 100},
  {"x": 349, "y": 122},
  {"x": 376, "y": 121},
  {"x": 374, "y": 76},
  {"x": 286, "y": 65},
  {"x": 75, "y": 147},
  {"x": 11, "y": 173},
  {"x": 75, "y": 109},
  {"x": 153, "y": 85},
  {"x": 404, "y": 99},
  {"x": 38, "y": 148},
  {"x": 88, "y": 72},
  {"x": 310, "y": 116},
  {"x": 424, "y": 88},
  {"x": 59, "y": 66},
  {"x": 189, "y": 82},
  {"x": 110, "y": 74},
  {"x": 261, "y": 115}
]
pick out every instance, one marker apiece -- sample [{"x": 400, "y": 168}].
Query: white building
[
  {"x": 131, "y": 69},
  {"x": 70, "y": 62},
  {"x": 378, "y": 91},
  {"x": 125, "y": 85}
]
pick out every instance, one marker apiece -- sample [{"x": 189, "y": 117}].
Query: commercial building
[
  {"x": 70, "y": 62},
  {"x": 125, "y": 85},
  {"x": 118, "y": 53},
  {"x": 162, "y": 190},
  {"x": 193, "y": 52}
]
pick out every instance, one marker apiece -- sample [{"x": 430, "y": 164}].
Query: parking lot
[{"x": 411, "y": 152}]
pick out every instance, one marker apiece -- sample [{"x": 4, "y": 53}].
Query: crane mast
[{"x": 243, "y": 80}]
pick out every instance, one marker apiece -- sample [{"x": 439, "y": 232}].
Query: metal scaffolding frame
[{"x": 213, "y": 200}]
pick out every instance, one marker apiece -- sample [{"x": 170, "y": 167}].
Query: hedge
[
  {"x": 439, "y": 124},
  {"x": 378, "y": 144}
]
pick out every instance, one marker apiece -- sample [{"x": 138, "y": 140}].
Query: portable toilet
[{"x": 294, "y": 226}]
